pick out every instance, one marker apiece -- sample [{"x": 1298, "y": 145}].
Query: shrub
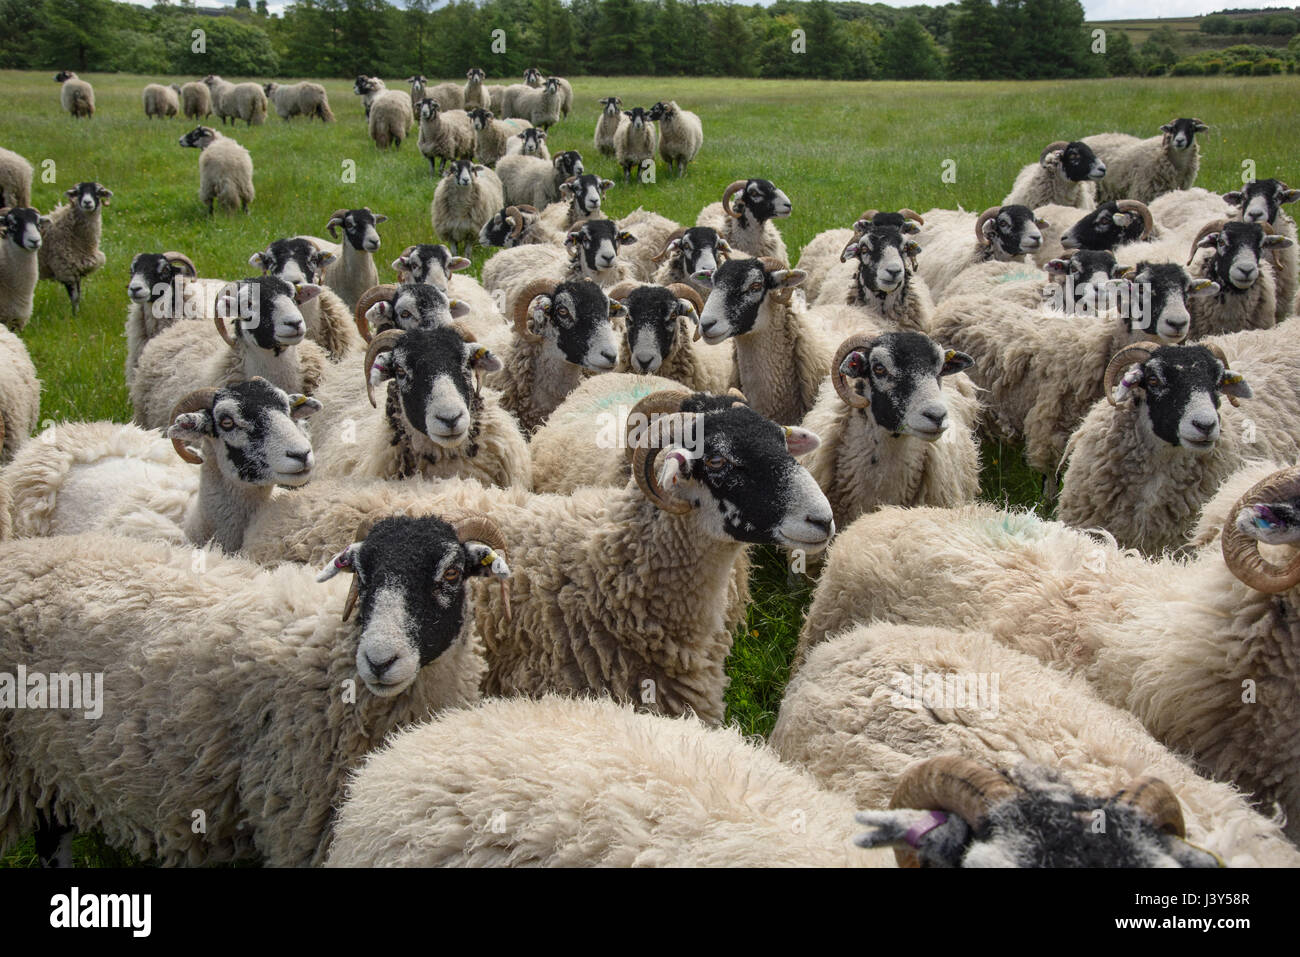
[
  {"x": 1213, "y": 67},
  {"x": 1187, "y": 68},
  {"x": 1267, "y": 67},
  {"x": 1241, "y": 68}
]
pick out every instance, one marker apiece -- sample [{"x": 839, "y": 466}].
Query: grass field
[{"x": 835, "y": 148}]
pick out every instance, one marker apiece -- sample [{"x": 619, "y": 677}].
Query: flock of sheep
[{"x": 564, "y": 709}]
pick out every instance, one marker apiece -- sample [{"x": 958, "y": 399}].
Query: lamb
[
  {"x": 780, "y": 355},
  {"x": 352, "y": 269},
  {"x": 268, "y": 341},
  {"x": 1260, "y": 201},
  {"x": 161, "y": 101},
  {"x": 491, "y": 136},
  {"x": 69, "y": 250},
  {"x": 163, "y": 289},
  {"x": 746, "y": 225},
  {"x": 611, "y": 115},
  {"x": 210, "y": 738},
  {"x": 884, "y": 422},
  {"x": 528, "y": 180},
  {"x": 369, "y": 88},
  {"x": 475, "y": 94},
  {"x": 661, "y": 329},
  {"x": 681, "y": 134},
  {"x": 529, "y": 141},
  {"x": 606, "y": 787},
  {"x": 389, "y": 119},
  {"x": 298, "y": 260},
  {"x": 1065, "y": 175},
  {"x": 300, "y": 99},
  {"x": 20, "y": 394},
  {"x": 1196, "y": 648},
  {"x": 445, "y": 135},
  {"x": 870, "y": 703},
  {"x": 634, "y": 142},
  {"x": 20, "y": 243},
  {"x": 225, "y": 169},
  {"x": 541, "y": 107},
  {"x": 15, "y": 180},
  {"x": 877, "y": 283},
  {"x": 1007, "y": 234},
  {"x": 77, "y": 96},
  {"x": 687, "y": 252},
  {"x": 1143, "y": 169},
  {"x": 196, "y": 101},
  {"x": 581, "y": 623},
  {"x": 465, "y": 199},
  {"x": 120, "y": 479}
]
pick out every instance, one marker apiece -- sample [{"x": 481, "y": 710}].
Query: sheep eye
[
  {"x": 562, "y": 312},
  {"x": 406, "y": 313},
  {"x": 451, "y": 574},
  {"x": 879, "y": 370},
  {"x": 400, "y": 372},
  {"x": 1153, "y": 382},
  {"x": 755, "y": 286},
  {"x": 227, "y": 423},
  {"x": 714, "y": 462}
]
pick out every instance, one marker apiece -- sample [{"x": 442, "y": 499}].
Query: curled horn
[
  {"x": 1050, "y": 148},
  {"x": 950, "y": 783},
  {"x": 383, "y": 342},
  {"x": 1275, "y": 254},
  {"x": 845, "y": 391},
  {"x": 1211, "y": 227},
  {"x": 517, "y": 217},
  {"x": 200, "y": 400},
  {"x": 363, "y": 530},
  {"x": 2, "y": 431},
  {"x": 1241, "y": 552},
  {"x": 675, "y": 235},
  {"x": 480, "y": 528},
  {"x": 336, "y": 218},
  {"x": 984, "y": 218},
  {"x": 368, "y": 298},
  {"x": 1133, "y": 206},
  {"x": 217, "y": 317},
  {"x": 689, "y": 293},
  {"x": 525, "y": 208},
  {"x": 538, "y": 287},
  {"x": 730, "y": 191},
  {"x": 643, "y": 463},
  {"x": 623, "y": 289},
  {"x": 1135, "y": 352},
  {"x": 868, "y": 216},
  {"x": 1155, "y": 799},
  {"x": 181, "y": 259},
  {"x": 912, "y": 215},
  {"x": 663, "y": 402}
]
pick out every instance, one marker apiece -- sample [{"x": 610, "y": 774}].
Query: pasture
[{"x": 835, "y": 148}]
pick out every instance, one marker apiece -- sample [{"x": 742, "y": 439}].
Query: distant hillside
[{"x": 1193, "y": 37}]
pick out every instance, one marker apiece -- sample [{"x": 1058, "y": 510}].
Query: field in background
[{"x": 835, "y": 148}]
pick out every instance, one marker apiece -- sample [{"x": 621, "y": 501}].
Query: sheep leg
[
  {"x": 433, "y": 166},
  {"x": 53, "y": 842},
  {"x": 74, "y": 293},
  {"x": 209, "y": 207},
  {"x": 1050, "y": 488}
]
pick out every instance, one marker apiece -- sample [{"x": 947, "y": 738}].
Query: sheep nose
[
  {"x": 450, "y": 421},
  {"x": 893, "y": 272},
  {"x": 1205, "y": 424},
  {"x": 608, "y": 355},
  {"x": 938, "y": 416},
  {"x": 377, "y": 668},
  {"x": 823, "y": 525},
  {"x": 643, "y": 359},
  {"x": 1176, "y": 326},
  {"x": 300, "y": 456}
]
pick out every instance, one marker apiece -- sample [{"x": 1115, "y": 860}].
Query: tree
[
  {"x": 827, "y": 52},
  {"x": 73, "y": 34},
  {"x": 908, "y": 52},
  {"x": 243, "y": 5},
  {"x": 667, "y": 35},
  {"x": 1121, "y": 58},
  {"x": 733, "y": 43},
  {"x": 622, "y": 43},
  {"x": 977, "y": 33},
  {"x": 1218, "y": 24}
]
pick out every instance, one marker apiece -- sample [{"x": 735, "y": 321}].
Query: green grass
[{"x": 836, "y": 149}]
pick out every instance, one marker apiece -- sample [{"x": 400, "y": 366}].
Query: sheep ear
[
  {"x": 458, "y": 308},
  {"x": 477, "y": 169},
  {"x": 1167, "y": 128},
  {"x": 1199, "y": 127},
  {"x": 191, "y": 426},
  {"x": 1289, "y": 196},
  {"x": 674, "y": 468},
  {"x": 1208, "y": 241},
  {"x": 1057, "y": 267},
  {"x": 105, "y": 194},
  {"x": 344, "y": 561},
  {"x": 800, "y": 441},
  {"x": 484, "y": 359},
  {"x": 566, "y": 187},
  {"x": 788, "y": 278},
  {"x": 687, "y": 308},
  {"x": 1235, "y": 198},
  {"x": 1041, "y": 223},
  {"x": 616, "y": 309},
  {"x": 260, "y": 260},
  {"x": 305, "y": 291},
  {"x": 606, "y": 184},
  {"x": 1276, "y": 242},
  {"x": 380, "y": 218},
  {"x": 70, "y": 193},
  {"x": 483, "y": 561},
  {"x": 457, "y": 262},
  {"x": 1129, "y": 381},
  {"x": 1234, "y": 384},
  {"x": 990, "y": 227},
  {"x": 42, "y": 223},
  {"x": 322, "y": 258},
  {"x": 376, "y": 313},
  {"x": 1203, "y": 287},
  {"x": 626, "y": 238},
  {"x": 540, "y": 309},
  {"x": 1121, "y": 220},
  {"x": 301, "y": 406},
  {"x": 954, "y": 362}
]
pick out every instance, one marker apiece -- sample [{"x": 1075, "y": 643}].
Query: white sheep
[
  {"x": 196, "y": 101},
  {"x": 466, "y": 197},
  {"x": 70, "y": 241},
  {"x": 225, "y": 169},
  {"x": 475, "y": 94},
  {"x": 15, "y": 179},
  {"x": 542, "y": 106},
  {"x": 163, "y": 289},
  {"x": 955, "y": 240},
  {"x": 20, "y": 394},
  {"x": 1261, "y": 201},
  {"x": 445, "y": 135},
  {"x": 492, "y": 136},
  {"x": 634, "y": 142},
  {"x": 450, "y": 96},
  {"x": 529, "y": 141},
  {"x": 528, "y": 180},
  {"x": 1065, "y": 175},
  {"x": 681, "y": 134},
  {"x": 370, "y": 87},
  {"x": 20, "y": 243},
  {"x": 1143, "y": 169},
  {"x": 76, "y": 96},
  {"x": 389, "y": 119},
  {"x": 300, "y": 99},
  {"x": 747, "y": 224},
  {"x": 247, "y": 102},
  {"x": 235, "y": 690},
  {"x": 161, "y": 101},
  {"x": 611, "y": 115}
]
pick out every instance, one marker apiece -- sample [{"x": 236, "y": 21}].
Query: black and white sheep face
[
  {"x": 567, "y": 164},
  {"x": 738, "y": 289},
  {"x": 415, "y": 306},
  {"x": 64, "y": 75},
  {"x": 586, "y": 192},
  {"x": 1104, "y": 228},
  {"x": 1167, "y": 287},
  {"x": 1261, "y": 200},
  {"x": 359, "y": 229},
  {"x": 1078, "y": 162},
  {"x": 435, "y": 371},
  {"x": 1182, "y": 133},
  {"x": 531, "y": 141},
  {"x": 1089, "y": 272},
  {"x": 475, "y": 76},
  {"x": 880, "y": 251},
  {"x": 575, "y": 319},
  {"x": 22, "y": 226},
  {"x": 411, "y": 576},
  {"x": 480, "y": 118},
  {"x": 1237, "y": 249},
  {"x": 264, "y": 311},
  {"x": 152, "y": 275},
  {"x": 662, "y": 111},
  {"x": 428, "y": 263},
  {"x": 611, "y": 105},
  {"x": 761, "y": 199},
  {"x": 1177, "y": 393},
  {"x": 595, "y": 245},
  {"x": 500, "y": 229},
  {"x": 88, "y": 197},
  {"x": 1014, "y": 231},
  {"x": 901, "y": 372},
  {"x": 1273, "y": 523},
  {"x": 199, "y": 137},
  {"x": 653, "y": 318},
  {"x": 552, "y": 85},
  {"x": 463, "y": 173},
  {"x": 295, "y": 261},
  {"x": 428, "y": 109},
  {"x": 533, "y": 76},
  {"x": 252, "y": 433},
  {"x": 638, "y": 117},
  {"x": 699, "y": 250}
]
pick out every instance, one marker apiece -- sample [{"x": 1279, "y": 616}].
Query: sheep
[
  {"x": 780, "y": 355},
  {"x": 1075, "y": 285},
  {"x": 746, "y": 225},
  {"x": 611, "y": 115},
  {"x": 527, "y": 180},
  {"x": 534, "y": 79},
  {"x": 825, "y": 250},
  {"x": 449, "y": 96},
  {"x": 870, "y": 703},
  {"x": 20, "y": 243},
  {"x": 491, "y": 136},
  {"x": 1143, "y": 169},
  {"x": 255, "y": 712},
  {"x": 1065, "y": 175},
  {"x": 1007, "y": 233},
  {"x": 416, "y": 83},
  {"x": 661, "y": 331},
  {"x": 161, "y": 101},
  {"x": 77, "y": 96},
  {"x": 237, "y": 101},
  {"x": 529, "y": 141},
  {"x": 445, "y": 135},
  {"x": 300, "y": 259},
  {"x": 681, "y": 134},
  {"x": 436, "y": 265},
  {"x": 513, "y": 226},
  {"x": 581, "y": 198},
  {"x": 475, "y": 95},
  {"x": 225, "y": 169},
  {"x": 1199, "y": 649},
  {"x": 510, "y": 100},
  {"x": 369, "y": 89},
  {"x": 1260, "y": 201},
  {"x": 581, "y": 623},
  {"x": 108, "y": 477},
  {"x": 164, "y": 289},
  {"x": 69, "y": 250},
  {"x": 268, "y": 341},
  {"x": 465, "y": 199},
  {"x": 15, "y": 179},
  {"x": 891, "y": 440},
  {"x": 541, "y": 107},
  {"x": 351, "y": 270},
  {"x": 687, "y": 252},
  {"x": 20, "y": 394},
  {"x": 634, "y": 142},
  {"x": 653, "y": 233},
  {"x": 876, "y": 283},
  {"x": 389, "y": 119},
  {"x": 222, "y": 102},
  {"x": 1161, "y": 436},
  {"x": 196, "y": 101},
  {"x": 300, "y": 99},
  {"x": 606, "y": 787}
]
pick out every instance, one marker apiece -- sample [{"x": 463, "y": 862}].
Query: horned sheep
[
  {"x": 351, "y": 269},
  {"x": 747, "y": 224},
  {"x": 1143, "y": 169},
  {"x": 1261, "y": 201},
  {"x": 956, "y": 240},
  {"x": 1065, "y": 175},
  {"x": 299, "y": 259},
  {"x": 163, "y": 289}
]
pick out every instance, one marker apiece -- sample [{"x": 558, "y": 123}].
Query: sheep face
[
  {"x": 199, "y": 137},
  {"x": 881, "y": 267},
  {"x": 429, "y": 109},
  {"x": 1165, "y": 312},
  {"x": 652, "y": 324},
  {"x": 1014, "y": 231},
  {"x": 586, "y": 192},
  {"x": 1261, "y": 200},
  {"x": 533, "y": 76},
  {"x": 463, "y": 173},
  {"x": 480, "y": 118},
  {"x": 269, "y": 88},
  {"x": 428, "y": 263},
  {"x": 761, "y": 199},
  {"x": 475, "y": 76},
  {"x": 901, "y": 373},
  {"x": 699, "y": 250},
  {"x": 435, "y": 371},
  {"x": 1104, "y": 229},
  {"x": 359, "y": 228},
  {"x": 611, "y": 105},
  {"x": 1078, "y": 162},
  {"x": 22, "y": 226},
  {"x": 64, "y": 75},
  {"x": 152, "y": 276},
  {"x": 637, "y": 116},
  {"x": 1089, "y": 273},
  {"x": 1237, "y": 247},
  {"x": 415, "y": 306},
  {"x": 251, "y": 431},
  {"x": 410, "y": 586},
  {"x": 88, "y": 197},
  {"x": 575, "y": 319},
  {"x": 738, "y": 289},
  {"x": 1180, "y": 134},
  {"x": 595, "y": 245},
  {"x": 567, "y": 164},
  {"x": 1273, "y": 523},
  {"x": 212, "y": 80},
  {"x": 264, "y": 311},
  {"x": 295, "y": 261},
  {"x": 1176, "y": 391},
  {"x": 532, "y": 140},
  {"x": 502, "y": 229},
  {"x": 662, "y": 111}
]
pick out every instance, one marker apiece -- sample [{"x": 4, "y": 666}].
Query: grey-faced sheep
[
  {"x": 528, "y": 180},
  {"x": 300, "y": 99},
  {"x": 611, "y": 115},
  {"x": 20, "y": 394},
  {"x": 1143, "y": 169},
  {"x": 681, "y": 134},
  {"x": 445, "y": 135},
  {"x": 352, "y": 270},
  {"x": 1260, "y": 201},
  {"x": 225, "y": 169},
  {"x": 15, "y": 179},
  {"x": 196, "y": 101},
  {"x": 257, "y": 715},
  {"x": 634, "y": 142},
  {"x": 747, "y": 224},
  {"x": 389, "y": 119},
  {"x": 76, "y": 96},
  {"x": 1065, "y": 175},
  {"x": 475, "y": 94},
  {"x": 69, "y": 249},
  {"x": 467, "y": 196},
  {"x": 20, "y": 243},
  {"x": 160, "y": 101}
]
